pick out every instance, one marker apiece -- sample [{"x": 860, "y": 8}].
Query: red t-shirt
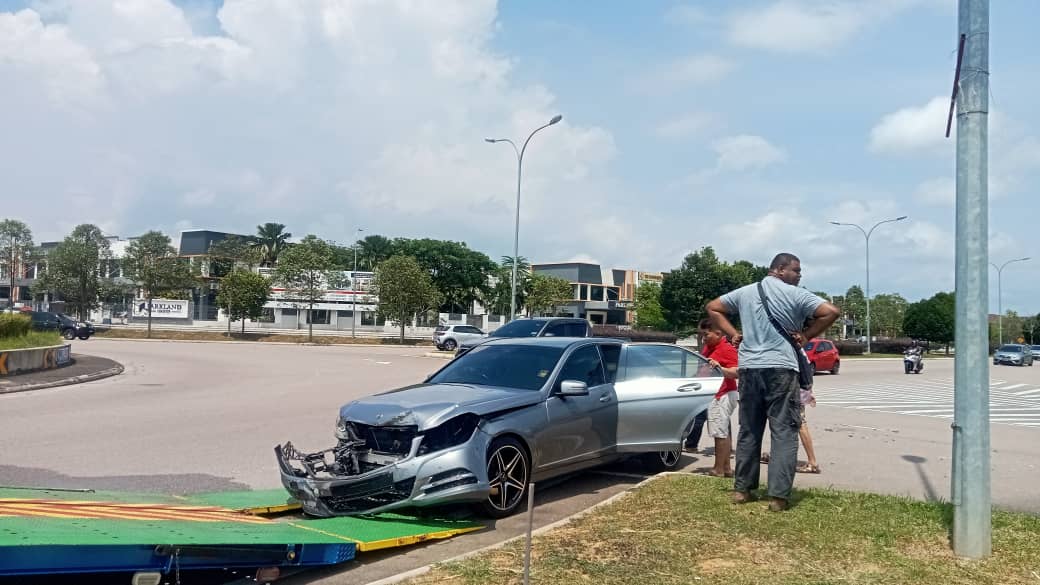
[{"x": 724, "y": 353}]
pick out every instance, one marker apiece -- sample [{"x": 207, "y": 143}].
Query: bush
[
  {"x": 14, "y": 324},
  {"x": 850, "y": 347},
  {"x": 633, "y": 334}
]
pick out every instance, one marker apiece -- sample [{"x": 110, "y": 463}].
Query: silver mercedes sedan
[{"x": 507, "y": 413}]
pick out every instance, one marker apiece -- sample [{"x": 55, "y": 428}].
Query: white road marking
[
  {"x": 1028, "y": 392},
  {"x": 1013, "y": 386}
]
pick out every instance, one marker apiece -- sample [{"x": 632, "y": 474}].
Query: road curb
[
  {"x": 391, "y": 580},
  {"x": 99, "y": 375},
  {"x": 440, "y": 354}
]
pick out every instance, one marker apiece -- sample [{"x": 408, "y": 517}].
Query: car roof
[{"x": 549, "y": 341}]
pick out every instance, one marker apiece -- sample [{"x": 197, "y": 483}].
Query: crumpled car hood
[{"x": 428, "y": 405}]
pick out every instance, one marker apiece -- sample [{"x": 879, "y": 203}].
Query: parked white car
[{"x": 449, "y": 337}]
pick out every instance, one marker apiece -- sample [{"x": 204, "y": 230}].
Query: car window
[
  {"x": 520, "y": 328},
  {"x": 611, "y": 356},
  {"x": 824, "y": 346},
  {"x": 508, "y": 366},
  {"x": 809, "y": 346},
  {"x": 663, "y": 361},
  {"x": 1011, "y": 348},
  {"x": 441, "y": 328},
  {"x": 584, "y": 365},
  {"x": 574, "y": 330},
  {"x": 471, "y": 329},
  {"x": 556, "y": 330}
]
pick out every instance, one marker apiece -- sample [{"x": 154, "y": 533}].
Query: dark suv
[
  {"x": 534, "y": 327},
  {"x": 62, "y": 323}
]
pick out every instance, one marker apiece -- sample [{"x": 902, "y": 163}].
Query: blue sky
[{"x": 742, "y": 125}]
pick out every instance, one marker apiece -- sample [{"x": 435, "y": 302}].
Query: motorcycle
[{"x": 913, "y": 361}]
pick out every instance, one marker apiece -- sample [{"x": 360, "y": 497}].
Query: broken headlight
[{"x": 449, "y": 434}]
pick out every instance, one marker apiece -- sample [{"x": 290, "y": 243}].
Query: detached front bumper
[{"x": 454, "y": 475}]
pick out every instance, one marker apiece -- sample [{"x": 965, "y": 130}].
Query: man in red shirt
[{"x": 721, "y": 354}]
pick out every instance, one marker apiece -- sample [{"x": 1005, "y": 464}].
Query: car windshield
[
  {"x": 809, "y": 346},
  {"x": 1011, "y": 348},
  {"x": 519, "y": 328},
  {"x": 1036, "y": 348},
  {"x": 509, "y": 366}
]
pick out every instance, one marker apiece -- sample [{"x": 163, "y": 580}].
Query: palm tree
[
  {"x": 372, "y": 250},
  {"x": 270, "y": 240}
]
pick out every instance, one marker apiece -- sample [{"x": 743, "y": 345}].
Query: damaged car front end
[{"x": 381, "y": 465}]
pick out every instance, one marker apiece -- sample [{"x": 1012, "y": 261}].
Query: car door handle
[
  {"x": 689, "y": 387},
  {"x": 605, "y": 398}
]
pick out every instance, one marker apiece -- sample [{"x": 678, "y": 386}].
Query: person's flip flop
[{"x": 806, "y": 468}]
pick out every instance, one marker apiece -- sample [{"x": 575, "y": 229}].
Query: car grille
[
  {"x": 386, "y": 439},
  {"x": 342, "y": 503}
]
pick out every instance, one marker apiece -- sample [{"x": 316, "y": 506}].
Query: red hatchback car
[{"x": 823, "y": 355}]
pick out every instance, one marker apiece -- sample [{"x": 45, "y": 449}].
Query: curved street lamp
[
  {"x": 516, "y": 230},
  {"x": 1000, "y": 305},
  {"x": 866, "y": 235}
]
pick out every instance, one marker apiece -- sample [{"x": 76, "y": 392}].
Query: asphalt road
[{"x": 192, "y": 417}]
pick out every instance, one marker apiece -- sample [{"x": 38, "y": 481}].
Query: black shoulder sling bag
[{"x": 805, "y": 375}]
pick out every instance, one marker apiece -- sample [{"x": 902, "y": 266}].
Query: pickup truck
[{"x": 534, "y": 327}]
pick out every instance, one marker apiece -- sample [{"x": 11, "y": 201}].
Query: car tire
[
  {"x": 834, "y": 370},
  {"x": 450, "y": 345},
  {"x": 662, "y": 461},
  {"x": 812, "y": 368},
  {"x": 68, "y": 334},
  {"x": 509, "y": 476},
  {"x": 85, "y": 336}
]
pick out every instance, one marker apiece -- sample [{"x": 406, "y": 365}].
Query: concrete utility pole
[{"x": 970, "y": 487}]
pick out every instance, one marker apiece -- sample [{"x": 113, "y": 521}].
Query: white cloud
[
  {"x": 201, "y": 197},
  {"x": 686, "y": 125},
  {"x": 914, "y": 129},
  {"x": 937, "y": 191},
  {"x": 745, "y": 152},
  {"x": 690, "y": 70},
  {"x": 808, "y": 26}
]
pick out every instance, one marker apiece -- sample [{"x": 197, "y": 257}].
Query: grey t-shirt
[{"x": 762, "y": 346}]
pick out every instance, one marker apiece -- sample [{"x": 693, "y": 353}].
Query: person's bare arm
[
  {"x": 726, "y": 372},
  {"x": 825, "y": 315},
  {"x": 720, "y": 318}
]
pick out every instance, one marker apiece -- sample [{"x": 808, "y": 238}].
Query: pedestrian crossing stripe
[{"x": 121, "y": 511}]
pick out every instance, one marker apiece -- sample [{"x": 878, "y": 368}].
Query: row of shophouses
[{"x": 601, "y": 295}]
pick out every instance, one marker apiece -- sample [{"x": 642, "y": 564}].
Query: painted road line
[
  {"x": 1028, "y": 392},
  {"x": 1013, "y": 386}
]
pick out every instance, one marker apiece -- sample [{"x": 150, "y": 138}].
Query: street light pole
[
  {"x": 1000, "y": 302},
  {"x": 866, "y": 235},
  {"x": 354, "y": 288},
  {"x": 516, "y": 228}
]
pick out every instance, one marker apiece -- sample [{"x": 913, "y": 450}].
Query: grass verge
[
  {"x": 683, "y": 529},
  {"x": 252, "y": 336},
  {"x": 31, "y": 339}
]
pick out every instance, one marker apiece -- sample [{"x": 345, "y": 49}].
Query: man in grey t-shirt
[{"x": 769, "y": 372}]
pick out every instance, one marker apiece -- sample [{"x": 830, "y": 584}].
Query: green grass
[
  {"x": 32, "y": 339},
  {"x": 683, "y": 529}
]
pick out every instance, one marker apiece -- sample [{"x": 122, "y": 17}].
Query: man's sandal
[{"x": 806, "y": 468}]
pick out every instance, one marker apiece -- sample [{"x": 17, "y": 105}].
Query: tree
[
  {"x": 243, "y": 294},
  {"x": 16, "y": 252},
  {"x": 270, "y": 240},
  {"x": 854, "y": 308},
  {"x": 547, "y": 292},
  {"x": 74, "y": 269},
  {"x": 499, "y": 295},
  {"x": 371, "y": 251},
  {"x": 405, "y": 289},
  {"x": 231, "y": 252},
  {"x": 931, "y": 319},
  {"x": 701, "y": 278},
  {"x": 306, "y": 270},
  {"x": 152, "y": 263},
  {"x": 1031, "y": 329},
  {"x": 886, "y": 314},
  {"x": 459, "y": 273},
  {"x": 648, "y": 307}
]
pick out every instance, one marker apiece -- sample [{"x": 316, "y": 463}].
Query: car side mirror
[{"x": 573, "y": 388}]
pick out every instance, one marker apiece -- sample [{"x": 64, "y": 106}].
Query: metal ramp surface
[{"x": 46, "y": 531}]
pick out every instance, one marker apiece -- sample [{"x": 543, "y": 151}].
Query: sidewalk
[{"x": 84, "y": 368}]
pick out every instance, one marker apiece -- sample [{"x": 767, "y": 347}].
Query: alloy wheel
[{"x": 507, "y": 474}]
